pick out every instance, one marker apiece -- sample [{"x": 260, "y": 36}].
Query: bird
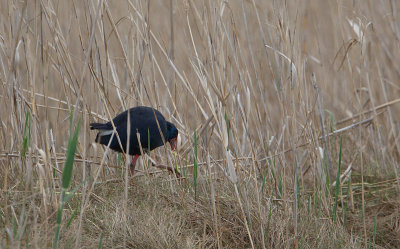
[{"x": 142, "y": 123}]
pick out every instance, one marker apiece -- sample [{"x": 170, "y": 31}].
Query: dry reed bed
[{"x": 275, "y": 102}]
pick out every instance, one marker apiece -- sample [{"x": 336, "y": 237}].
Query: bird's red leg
[{"x": 133, "y": 164}]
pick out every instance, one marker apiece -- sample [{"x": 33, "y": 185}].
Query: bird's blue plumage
[{"x": 142, "y": 123}]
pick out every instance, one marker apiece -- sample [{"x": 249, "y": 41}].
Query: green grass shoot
[
  {"x": 195, "y": 165},
  {"x": 337, "y": 187},
  {"x": 66, "y": 178},
  {"x": 27, "y": 134}
]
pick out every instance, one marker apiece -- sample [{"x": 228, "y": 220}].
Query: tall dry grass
[{"x": 293, "y": 104}]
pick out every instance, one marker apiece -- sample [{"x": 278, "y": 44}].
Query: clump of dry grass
[{"x": 278, "y": 95}]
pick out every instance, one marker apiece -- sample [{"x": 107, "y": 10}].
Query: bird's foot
[
  {"x": 131, "y": 170},
  {"x": 162, "y": 166},
  {"x": 169, "y": 168}
]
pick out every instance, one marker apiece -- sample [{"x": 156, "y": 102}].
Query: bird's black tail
[
  {"x": 105, "y": 132},
  {"x": 99, "y": 126}
]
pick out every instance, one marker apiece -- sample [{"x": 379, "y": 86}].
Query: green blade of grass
[
  {"x": 374, "y": 231},
  {"x": 195, "y": 165},
  {"x": 69, "y": 162},
  {"x": 66, "y": 177},
  {"x": 327, "y": 182},
  {"x": 298, "y": 191},
  {"x": 27, "y": 134},
  {"x": 279, "y": 192},
  {"x": 59, "y": 219},
  {"x": 148, "y": 147},
  {"x": 332, "y": 120},
  {"x": 72, "y": 217},
  {"x": 120, "y": 159},
  {"x": 337, "y": 182},
  {"x": 346, "y": 202},
  {"x": 185, "y": 165},
  {"x": 71, "y": 119},
  {"x": 265, "y": 176},
  {"x": 100, "y": 241}
]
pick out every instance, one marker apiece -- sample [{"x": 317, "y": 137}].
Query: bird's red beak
[{"x": 173, "y": 143}]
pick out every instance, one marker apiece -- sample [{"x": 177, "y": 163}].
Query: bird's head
[{"x": 172, "y": 135}]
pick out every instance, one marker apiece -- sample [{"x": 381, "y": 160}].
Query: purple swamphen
[{"x": 142, "y": 121}]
